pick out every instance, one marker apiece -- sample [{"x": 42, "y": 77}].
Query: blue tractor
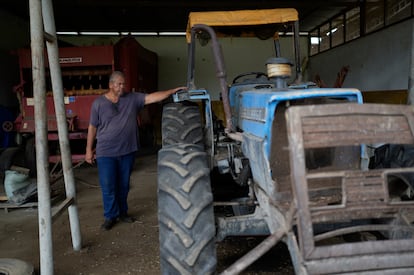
[{"x": 246, "y": 154}]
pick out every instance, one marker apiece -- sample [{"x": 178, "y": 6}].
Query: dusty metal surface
[{"x": 366, "y": 204}]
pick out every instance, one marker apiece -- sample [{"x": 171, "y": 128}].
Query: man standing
[{"x": 113, "y": 122}]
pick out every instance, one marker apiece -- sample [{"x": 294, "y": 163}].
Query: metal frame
[
  {"x": 365, "y": 194},
  {"x": 42, "y": 26}
]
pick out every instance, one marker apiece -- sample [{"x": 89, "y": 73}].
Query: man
[{"x": 113, "y": 122}]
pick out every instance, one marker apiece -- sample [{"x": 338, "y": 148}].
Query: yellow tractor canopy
[{"x": 240, "y": 18}]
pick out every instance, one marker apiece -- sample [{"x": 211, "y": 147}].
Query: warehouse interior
[
  {"x": 388, "y": 22},
  {"x": 366, "y": 45}
]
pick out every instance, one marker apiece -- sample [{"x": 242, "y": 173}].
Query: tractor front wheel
[
  {"x": 185, "y": 211},
  {"x": 181, "y": 123}
]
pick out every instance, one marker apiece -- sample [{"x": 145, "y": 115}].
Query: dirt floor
[{"x": 127, "y": 248}]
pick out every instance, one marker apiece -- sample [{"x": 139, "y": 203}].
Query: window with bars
[{"x": 371, "y": 16}]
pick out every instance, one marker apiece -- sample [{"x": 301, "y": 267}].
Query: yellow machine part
[
  {"x": 240, "y": 18},
  {"x": 387, "y": 97}
]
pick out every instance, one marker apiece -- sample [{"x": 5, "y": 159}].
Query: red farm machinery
[{"x": 85, "y": 76}]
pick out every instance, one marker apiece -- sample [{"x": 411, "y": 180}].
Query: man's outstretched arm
[{"x": 161, "y": 95}]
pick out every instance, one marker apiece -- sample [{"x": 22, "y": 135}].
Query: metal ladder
[{"x": 42, "y": 27}]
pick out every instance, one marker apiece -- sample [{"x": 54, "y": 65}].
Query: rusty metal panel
[
  {"x": 364, "y": 187},
  {"x": 329, "y": 131},
  {"x": 363, "y": 196},
  {"x": 139, "y": 65}
]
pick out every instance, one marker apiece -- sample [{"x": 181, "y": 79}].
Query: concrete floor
[{"x": 127, "y": 248}]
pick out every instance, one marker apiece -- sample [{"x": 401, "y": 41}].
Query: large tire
[
  {"x": 396, "y": 156},
  {"x": 15, "y": 267},
  {"x": 181, "y": 123},
  {"x": 185, "y": 211}
]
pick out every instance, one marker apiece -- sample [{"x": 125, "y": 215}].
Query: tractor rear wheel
[
  {"x": 181, "y": 123},
  {"x": 185, "y": 211}
]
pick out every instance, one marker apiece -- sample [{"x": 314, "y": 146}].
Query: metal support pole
[
  {"x": 411, "y": 76},
  {"x": 58, "y": 96},
  {"x": 39, "y": 90},
  {"x": 296, "y": 41},
  {"x": 255, "y": 253}
]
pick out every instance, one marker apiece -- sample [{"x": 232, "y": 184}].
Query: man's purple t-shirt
[{"x": 116, "y": 124}]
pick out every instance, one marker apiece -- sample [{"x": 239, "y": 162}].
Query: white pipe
[
  {"x": 39, "y": 94},
  {"x": 411, "y": 76},
  {"x": 237, "y": 136},
  {"x": 58, "y": 96}
]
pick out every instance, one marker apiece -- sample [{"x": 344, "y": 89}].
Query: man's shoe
[
  {"x": 108, "y": 224},
  {"x": 126, "y": 219}
]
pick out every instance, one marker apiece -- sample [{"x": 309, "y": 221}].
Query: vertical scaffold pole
[
  {"x": 42, "y": 160},
  {"x": 410, "y": 98},
  {"x": 58, "y": 96},
  {"x": 42, "y": 26}
]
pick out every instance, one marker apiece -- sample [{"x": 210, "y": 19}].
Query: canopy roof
[{"x": 240, "y": 18}]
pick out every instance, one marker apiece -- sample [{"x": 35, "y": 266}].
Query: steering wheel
[{"x": 256, "y": 74}]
